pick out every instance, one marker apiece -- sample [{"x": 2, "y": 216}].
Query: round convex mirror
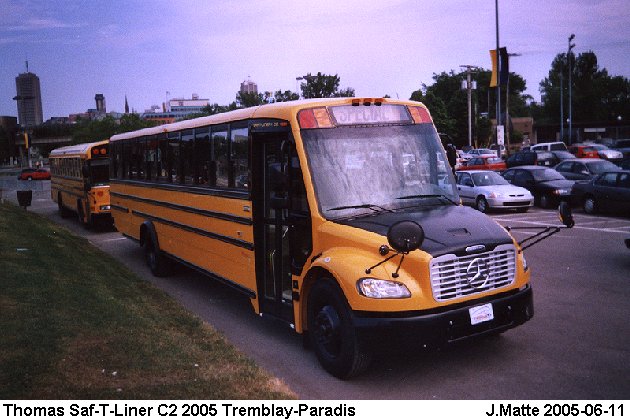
[{"x": 405, "y": 236}]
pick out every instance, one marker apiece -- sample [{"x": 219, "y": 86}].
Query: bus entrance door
[{"x": 270, "y": 188}]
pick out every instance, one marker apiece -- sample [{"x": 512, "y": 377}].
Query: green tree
[
  {"x": 247, "y": 100},
  {"x": 448, "y": 103},
  {"x": 595, "y": 95},
  {"x": 285, "y": 96},
  {"x": 324, "y": 86}
]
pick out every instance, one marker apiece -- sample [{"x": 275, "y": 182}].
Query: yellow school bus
[
  {"x": 80, "y": 181},
  {"x": 339, "y": 216}
]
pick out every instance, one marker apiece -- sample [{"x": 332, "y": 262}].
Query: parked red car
[
  {"x": 583, "y": 151},
  {"x": 486, "y": 163},
  {"x": 31, "y": 173}
]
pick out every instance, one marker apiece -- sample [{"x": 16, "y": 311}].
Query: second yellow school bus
[
  {"x": 80, "y": 181},
  {"x": 339, "y": 216}
]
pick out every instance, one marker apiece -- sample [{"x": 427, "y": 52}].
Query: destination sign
[{"x": 359, "y": 115}]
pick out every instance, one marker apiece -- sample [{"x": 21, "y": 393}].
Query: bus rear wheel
[
  {"x": 157, "y": 262},
  {"x": 332, "y": 335},
  {"x": 63, "y": 212}
]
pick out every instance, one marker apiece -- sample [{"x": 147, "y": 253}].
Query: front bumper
[
  {"x": 435, "y": 329},
  {"x": 510, "y": 202}
]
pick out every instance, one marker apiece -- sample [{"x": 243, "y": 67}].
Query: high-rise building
[
  {"x": 29, "y": 99},
  {"x": 249, "y": 87},
  {"x": 100, "y": 103}
]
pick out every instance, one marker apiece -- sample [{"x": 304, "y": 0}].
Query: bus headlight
[
  {"x": 382, "y": 289},
  {"x": 525, "y": 267}
]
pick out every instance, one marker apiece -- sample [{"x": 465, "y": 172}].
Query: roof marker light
[
  {"x": 314, "y": 118},
  {"x": 420, "y": 114}
]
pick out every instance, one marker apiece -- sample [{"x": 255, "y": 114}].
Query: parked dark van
[{"x": 530, "y": 157}]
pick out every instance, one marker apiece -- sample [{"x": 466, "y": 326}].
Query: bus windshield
[{"x": 378, "y": 167}]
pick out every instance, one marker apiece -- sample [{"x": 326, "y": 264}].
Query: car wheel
[
  {"x": 333, "y": 337},
  {"x": 545, "y": 201},
  {"x": 482, "y": 204},
  {"x": 590, "y": 205}
]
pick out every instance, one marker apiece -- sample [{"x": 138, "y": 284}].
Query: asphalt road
[{"x": 577, "y": 346}]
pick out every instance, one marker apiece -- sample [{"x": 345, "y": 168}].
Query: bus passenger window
[
  {"x": 173, "y": 157},
  {"x": 161, "y": 163},
  {"x": 150, "y": 158},
  {"x": 240, "y": 158},
  {"x": 202, "y": 158},
  {"x": 220, "y": 158},
  {"x": 186, "y": 151}
]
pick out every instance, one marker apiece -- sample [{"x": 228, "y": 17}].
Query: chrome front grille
[{"x": 453, "y": 277}]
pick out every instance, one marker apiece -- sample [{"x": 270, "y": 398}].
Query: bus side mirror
[
  {"x": 405, "y": 236},
  {"x": 565, "y": 214}
]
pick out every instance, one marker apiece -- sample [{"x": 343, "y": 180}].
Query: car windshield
[
  {"x": 545, "y": 174},
  {"x": 595, "y": 147},
  {"x": 598, "y": 167},
  {"x": 484, "y": 179},
  {"x": 557, "y": 146},
  {"x": 484, "y": 152},
  {"x": 387, "y": 167},
  {"x": 494, "y": 160}
]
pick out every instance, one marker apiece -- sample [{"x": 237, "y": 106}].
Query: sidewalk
[{"x": 10, "y": 184}]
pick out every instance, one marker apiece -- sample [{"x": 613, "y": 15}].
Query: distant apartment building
[
  {"x": 176, "y": 109},
  {"x": 29, "y": 99}
]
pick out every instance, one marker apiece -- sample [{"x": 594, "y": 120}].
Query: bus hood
[{"x": 447, "y": 229}]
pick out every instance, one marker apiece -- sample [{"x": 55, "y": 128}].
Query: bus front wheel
[{"x": 332, "y": 335}]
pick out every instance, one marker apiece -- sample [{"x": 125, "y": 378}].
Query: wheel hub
[{"x": 327, "y": 329}]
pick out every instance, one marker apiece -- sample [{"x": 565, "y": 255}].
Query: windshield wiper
[
  {"x": 409, "y": 197},
  {"x": 372, "y": 207}
]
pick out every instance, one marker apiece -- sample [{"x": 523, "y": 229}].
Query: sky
[{"x": 152, "y": 50}]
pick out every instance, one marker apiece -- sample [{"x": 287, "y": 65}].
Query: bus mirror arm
[
  {"x": 403, "y": 237},
  {"x": 566, "y": 217}
]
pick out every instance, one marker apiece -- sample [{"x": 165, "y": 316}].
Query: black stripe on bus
[
  {"x": 196, "y": 189},
  {"x": 242, "y": 289},
  {"x": 194, "y": 210},
  {"x": 237, "y": 242},
  {"x": 119, "y": 208}
]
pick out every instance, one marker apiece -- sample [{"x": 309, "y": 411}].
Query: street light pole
[
  {"x": 498, "y": 58},
  {"x": 570, "y": 71}
]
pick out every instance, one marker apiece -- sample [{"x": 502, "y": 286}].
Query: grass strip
[{"x": 77, "y": 324}]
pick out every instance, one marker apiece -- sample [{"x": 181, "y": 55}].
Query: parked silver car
[{"x": 487, "y": 190}]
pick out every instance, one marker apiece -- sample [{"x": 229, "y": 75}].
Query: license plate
[{"x": 481, "y": 313}]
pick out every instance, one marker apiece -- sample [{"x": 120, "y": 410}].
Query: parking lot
[{"x": 575, "y": 347}]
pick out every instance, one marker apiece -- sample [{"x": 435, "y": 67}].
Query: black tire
[
  {"x": 63, "y": 212},
  {"x": 158, "y": 263},
  {"x": 482, "y": 204},
  {"x": 545, "y": 201},
  {"x": 590, "y": 205},
  {"x": 333, "y": 337},
  {"x": 85, "y": 221}
]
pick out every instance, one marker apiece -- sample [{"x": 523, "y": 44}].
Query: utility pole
[
  {"x": 570, "y": 71},
  {"x": 507, "y": 105},
  {"x": 469, "y": 87}
]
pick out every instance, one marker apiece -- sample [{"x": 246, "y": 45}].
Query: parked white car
[{"x": 487, "y": 190}]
